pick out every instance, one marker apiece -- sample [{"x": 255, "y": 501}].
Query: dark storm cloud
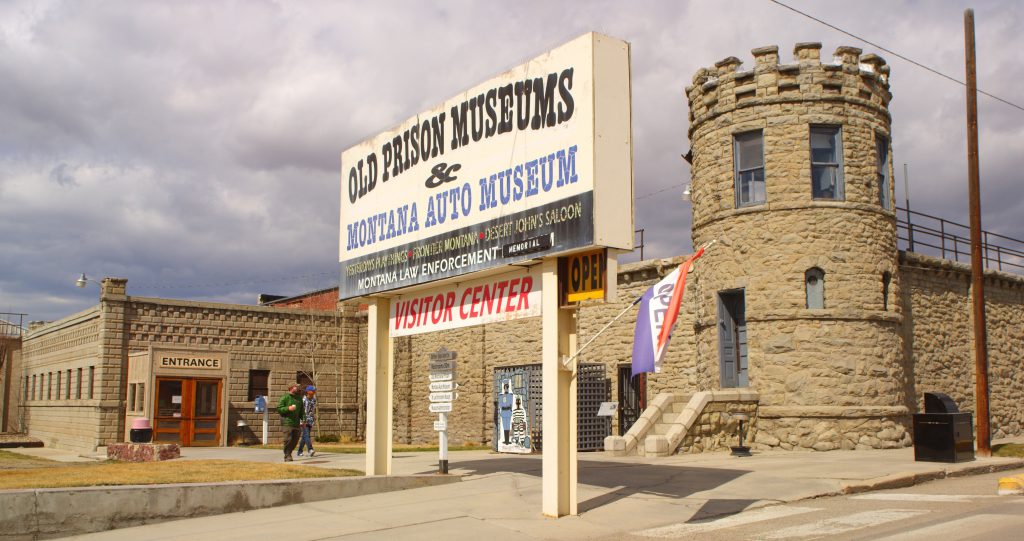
[{"x": 194, "y": 147}]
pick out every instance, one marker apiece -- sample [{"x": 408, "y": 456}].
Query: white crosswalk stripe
[
  {"x": 900, "y": 497},
  {"x": 838, "y": 525},
  {"x": 977, "y": 524},
  {"x": 748, "y": 517}
]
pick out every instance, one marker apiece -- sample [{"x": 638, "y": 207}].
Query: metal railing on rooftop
[{"x": 930, "y": 235}]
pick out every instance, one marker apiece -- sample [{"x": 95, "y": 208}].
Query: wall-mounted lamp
[{"x": 687, "y": 191}]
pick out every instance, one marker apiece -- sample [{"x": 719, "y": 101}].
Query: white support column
[
  {"x": 559, "y": 444},
  {"x": 380, "y": 364}
]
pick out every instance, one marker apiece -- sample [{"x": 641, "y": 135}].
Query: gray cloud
[{"x": 194, "y": 147}]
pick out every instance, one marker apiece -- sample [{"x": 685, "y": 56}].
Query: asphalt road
[{"x": 950, "y": 509}]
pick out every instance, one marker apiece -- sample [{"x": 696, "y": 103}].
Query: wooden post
[
  {"x": 559, "y": 468},
  {"x": 981, "y": 414},
  {"x": 379, "y": 375}
]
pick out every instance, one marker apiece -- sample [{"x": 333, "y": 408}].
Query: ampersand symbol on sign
[{"x": 442, "y": 173}]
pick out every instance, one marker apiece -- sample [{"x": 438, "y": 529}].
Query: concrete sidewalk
[{"x": 500, "y": 495}]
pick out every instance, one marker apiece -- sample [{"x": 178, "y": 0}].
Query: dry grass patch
[
  {"x": 17, "y": 461},
  {"x": 159, "y": 473},
  {"x": 1008, "y": 450}
]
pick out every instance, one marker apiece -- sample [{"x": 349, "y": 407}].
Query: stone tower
[{"x": 791, "y": 175}]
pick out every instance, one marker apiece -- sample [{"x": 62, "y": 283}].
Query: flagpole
[{"x": 568, "y": 361}]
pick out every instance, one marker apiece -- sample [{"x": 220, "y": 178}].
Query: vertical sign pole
[
  {"x": 981, "y": 413},
  {"x": 379, "y": 375},
  {"x": 559, "y": 411},
  {"x": 442, "y": 448},
  {"x": 266, "y": 420}
]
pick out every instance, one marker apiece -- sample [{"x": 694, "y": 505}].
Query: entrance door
[
  {"x": 732, "y": 339},
  {"x": 187, "y": 411},
  {"x": 632, "y": 397}
]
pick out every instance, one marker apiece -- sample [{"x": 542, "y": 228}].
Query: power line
[
  {"x": 894, "y": 53},
  {"x": 251, "y": 281}
]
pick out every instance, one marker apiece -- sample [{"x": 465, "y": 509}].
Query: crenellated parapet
[{"x": 851, "y": 76}]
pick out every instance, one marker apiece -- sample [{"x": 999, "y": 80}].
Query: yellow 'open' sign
[{"x": 585, "y": 275}]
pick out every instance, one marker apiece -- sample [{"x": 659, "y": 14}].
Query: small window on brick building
[
  {"x": 886, "y": 281},
  {"x": 814, "y": 279},
  {"x": 78, "y": 388},
  {"x": 92, "y": 379},
  {"x": 32, "y": 395},
  {"x": 259, "y": 383},
  {"x": 67, "y": 388},
  {"x": 58, "y": 385},
  {"x": 140, "y": 398},
  {"x": 304, "y": 379}
]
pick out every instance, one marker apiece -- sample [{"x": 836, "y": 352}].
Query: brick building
[{"x": 193, "y": 368}]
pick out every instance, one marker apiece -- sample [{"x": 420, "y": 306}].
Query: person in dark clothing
[{"x": 290, "y": 409}]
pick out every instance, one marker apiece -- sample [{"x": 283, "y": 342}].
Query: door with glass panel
[
  {"x": 205, "y": 422},
  {"x": 187, "y": 411}
]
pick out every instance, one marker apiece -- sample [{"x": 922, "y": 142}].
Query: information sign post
[
  {"x": 379, "y": 382},
  {"x": 442, "y": 386}
]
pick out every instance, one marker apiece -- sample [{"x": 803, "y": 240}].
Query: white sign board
[
  {"x": 440, "y": 407},
  {"x": 440, "y": 425},
  {"x": 440, "y": 386},
  {"x": 504, "y": 172},
  {"x": 503, "y": 297},
  {"x": 442, "y": 376},
  {"x": 442, "y": 397}
]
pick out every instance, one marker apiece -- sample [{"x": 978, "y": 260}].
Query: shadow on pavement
[{"x": 625, "y": 479}]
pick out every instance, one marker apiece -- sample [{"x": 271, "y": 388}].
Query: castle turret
[{"x": 792, "y": 178}]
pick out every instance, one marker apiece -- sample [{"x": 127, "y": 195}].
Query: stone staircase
[{"x": 668, "y": 418}]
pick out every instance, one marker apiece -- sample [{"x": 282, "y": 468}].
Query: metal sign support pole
[
  {"x": 442, "y": 446},
  {"x": 560, "y": 473},
  {"x": 266, "y": 422},
  {"x": 379, "y": 376}
]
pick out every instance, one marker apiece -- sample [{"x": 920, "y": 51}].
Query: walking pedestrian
[
  {"x": 290, "y": 409},
  {"x": 309, "y": 407}
]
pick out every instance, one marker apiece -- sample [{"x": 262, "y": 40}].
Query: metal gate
[
  {"x": 526, "y": 383},
  {"x": 632, "y": 397}
]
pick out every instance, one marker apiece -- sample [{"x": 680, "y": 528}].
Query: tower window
[
  {"x": 748, "y": 163},
  {"x": 827, "y": 163},
  {"x": 886, "y": 280},
  {"x": 884, "y": 183},
  {"x": 814, "y": 280}
]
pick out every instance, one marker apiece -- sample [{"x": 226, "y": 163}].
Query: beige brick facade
[{"x": 96, "y": 344}]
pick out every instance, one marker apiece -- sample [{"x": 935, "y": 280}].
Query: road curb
[
  {"x": 47, "y": 513},
  {"x": 908, "y": 479}
]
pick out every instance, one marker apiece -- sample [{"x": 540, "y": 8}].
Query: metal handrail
[{"x": 939, "y": 238}]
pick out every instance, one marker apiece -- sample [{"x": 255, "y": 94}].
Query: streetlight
[{"x": 80, "y": 282}]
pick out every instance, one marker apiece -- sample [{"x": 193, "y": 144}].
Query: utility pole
[{"x": 984, "y": 438}]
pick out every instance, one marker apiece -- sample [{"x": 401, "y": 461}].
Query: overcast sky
[{"x": 193, "y": 147}]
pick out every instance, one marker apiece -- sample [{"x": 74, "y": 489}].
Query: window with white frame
[
  {"x": 748, "y": 163},
  {"x": 884, "y": 182},
  {"x": 827, "y": 163}
]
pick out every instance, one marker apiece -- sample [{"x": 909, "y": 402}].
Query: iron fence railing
[{"x": 930, "y": 235}]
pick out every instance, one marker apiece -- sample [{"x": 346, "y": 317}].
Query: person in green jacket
[{"x": 290, "y": 409}]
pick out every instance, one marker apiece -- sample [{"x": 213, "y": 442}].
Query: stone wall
[{"x": 940, "y": 337}]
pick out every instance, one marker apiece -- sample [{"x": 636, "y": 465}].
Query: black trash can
[{"x": 942, "y": 433}]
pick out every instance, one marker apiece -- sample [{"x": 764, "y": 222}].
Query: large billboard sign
[{"x": 534, "y": 162}]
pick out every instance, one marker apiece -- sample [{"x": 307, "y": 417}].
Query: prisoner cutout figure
[{"x": 519, "y": 427}]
